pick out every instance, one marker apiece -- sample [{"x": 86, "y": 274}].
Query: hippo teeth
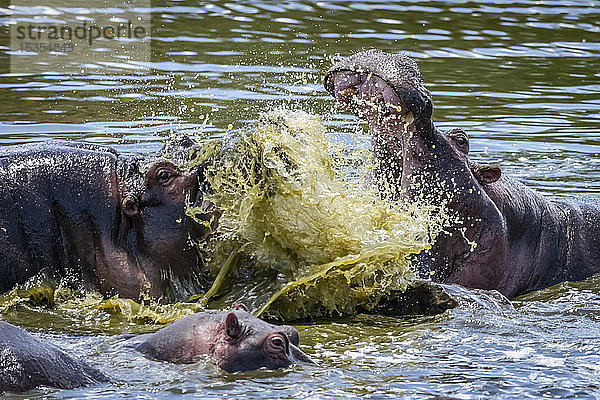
[{"x": 348, "y": 92}]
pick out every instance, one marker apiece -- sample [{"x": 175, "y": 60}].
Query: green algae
[
  {"x": 45, "y": 304},
  {"x": 334, "y": 246}
]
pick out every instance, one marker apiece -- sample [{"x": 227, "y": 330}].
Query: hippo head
[
  {"x": 236, "y": 340},
  {"x": 159, "y": 235},
  {"x": 417, "y": 162},
  {"x": 246, "y": 343},
  {"x": 171, "y": 186}
]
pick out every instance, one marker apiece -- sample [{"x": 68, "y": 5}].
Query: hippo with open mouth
[
  {"x": 504, "y": 236},
  {"x": 108, "y": 222}
]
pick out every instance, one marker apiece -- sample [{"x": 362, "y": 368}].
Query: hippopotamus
[
  {"x": 111, "y": 223},
  {"x": 27, "y": 362},
  {"x": 502, "y": 235},
  {"x": 236, "y": 340}
]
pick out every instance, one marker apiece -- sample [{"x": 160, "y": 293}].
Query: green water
[{"x": 520, "y": 77}]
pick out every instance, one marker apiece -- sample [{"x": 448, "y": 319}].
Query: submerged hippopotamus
[
  {"x": 106, "y": 221},
  {"x": 236, "y": 340},
  {"x": 503, "y": 236},
  {"x": 27, "y": 362}
]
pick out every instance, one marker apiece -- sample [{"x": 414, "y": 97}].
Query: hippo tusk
[{"x": 348, "y": 92}]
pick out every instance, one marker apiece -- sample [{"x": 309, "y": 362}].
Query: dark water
[{"x": 521, "y": 77}]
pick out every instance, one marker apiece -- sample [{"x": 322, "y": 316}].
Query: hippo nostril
[{"x": 131, "y": 205}]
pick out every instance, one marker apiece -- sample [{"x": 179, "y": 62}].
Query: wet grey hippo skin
[
  {"x": 236, "y": 340},
  {"x": 27, "y": 362},
  {"x": 507, "y": 236},
  {"x": 106, "y": 221}
]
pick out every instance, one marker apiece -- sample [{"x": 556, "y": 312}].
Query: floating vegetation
[
  {"x": 43, "y": 303},
  {"x": 326, "y": 245}
]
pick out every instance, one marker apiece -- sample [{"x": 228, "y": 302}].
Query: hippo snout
[
  {"x": 298, "y": 355},
  {"x": 373, "y": 84}
]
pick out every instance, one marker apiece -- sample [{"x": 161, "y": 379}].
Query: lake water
[{"x": 522, "y": 78}]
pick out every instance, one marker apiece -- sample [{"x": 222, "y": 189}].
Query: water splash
[{"x": 328, "y": 246}]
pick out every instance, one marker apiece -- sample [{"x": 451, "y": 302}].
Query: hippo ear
[
  {"x": 487, "y": 173},
  {"x": 232, "y": 325},
  {"x": 242, "y": 307}
]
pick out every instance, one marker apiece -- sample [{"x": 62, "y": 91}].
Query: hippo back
[
  {"x": 582, "y": 238},
  {"x": 27, "y": 362},
  {"x": 55, "y": 198}
]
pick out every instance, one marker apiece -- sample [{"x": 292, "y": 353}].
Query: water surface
[{"x": 522, "y": 78}]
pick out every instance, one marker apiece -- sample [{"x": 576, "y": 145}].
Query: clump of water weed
[
  {"x": 327, "y": 245},
  {"x": 45, "y": 304}
]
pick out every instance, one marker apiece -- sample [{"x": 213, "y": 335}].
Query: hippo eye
[
  {"x": 461, "y": 141},
  {"x": 278, "y": 342},
  {"x": 164, "y": 176}
]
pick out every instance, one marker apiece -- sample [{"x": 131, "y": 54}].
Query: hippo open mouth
[
  {"x": 380, "y": 87},
  {"x": 367, "y": 95},
  {"x": 386, "y": 90}
]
